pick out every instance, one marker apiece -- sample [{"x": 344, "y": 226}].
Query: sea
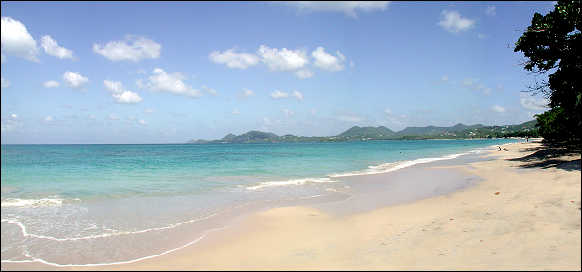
[{"x": 92, "y": 205}]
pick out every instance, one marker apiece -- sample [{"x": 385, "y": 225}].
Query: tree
[{"x": 552, "y": 43}]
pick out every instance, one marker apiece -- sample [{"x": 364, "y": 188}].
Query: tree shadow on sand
[{"x": 547, "y": 156}]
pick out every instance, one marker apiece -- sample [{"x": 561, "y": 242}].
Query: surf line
[{"x": 39, "y": 260}]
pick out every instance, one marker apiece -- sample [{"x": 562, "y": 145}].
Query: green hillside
[
  {"x": 356, "y": 133},
  {"x": 370, "y": 132},
  {"x": 436, "y": 131}
]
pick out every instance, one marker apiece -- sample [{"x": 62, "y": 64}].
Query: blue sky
[{"x": 148, "y": 72}]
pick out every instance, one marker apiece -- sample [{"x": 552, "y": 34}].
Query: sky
[{"x": 168, "y": 72}]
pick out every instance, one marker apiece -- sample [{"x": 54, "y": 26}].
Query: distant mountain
[
  {"x": 356, "y": 133},
  {"x": 527, "y": 125},
  {"x": 521, "y": 130},
  {"x": 253, "y": 136},
  {"x": 229, "y": 137},
  {"x": 369, "y": 132},
  {"x": 432, "y": 130}
]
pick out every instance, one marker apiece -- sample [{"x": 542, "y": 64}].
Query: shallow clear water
[{"x": 109, "y": 199}]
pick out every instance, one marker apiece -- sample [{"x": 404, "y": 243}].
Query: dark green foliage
[
  {"x": 229, "y": 137},
  {"x": 552, "y": 125},
  {"x": 435, "y": 131},
  {"x": 251, "y": 137},
  {"x": 553, "y": 43}
]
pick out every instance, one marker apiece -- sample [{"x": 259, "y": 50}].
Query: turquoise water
[
  {"x": 90, "y": 196},
  {"x": 102, "y": 171}
]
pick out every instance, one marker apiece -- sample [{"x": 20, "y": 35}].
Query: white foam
[
  {"x": 33, "y": 259},
  {"x": 289, "y": 182},
  {"x": 373, "y": 169},
  {"x": 393, "y": 166},
  {"x": 32, "y": 203},
  {"x": 25, "y": 232},
  {"x": 313, "y": 196}
]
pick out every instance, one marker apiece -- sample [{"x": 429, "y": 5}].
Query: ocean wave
[
  {"x": 34, "y": 203},
  {"x": 393, "y": 166},
  {"x": 372, "y": 169},
  {"x": 39, "y": 260},
  {"x": 25, "y": 232},
  {"x": 290, "y": 182}
]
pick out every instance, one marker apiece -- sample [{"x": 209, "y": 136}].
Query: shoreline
[
  {"x": 304, "y": 237},
  {"x": 114, "y": 245}
]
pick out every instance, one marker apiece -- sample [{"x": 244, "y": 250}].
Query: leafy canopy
[{"x": 552, "y": 43}]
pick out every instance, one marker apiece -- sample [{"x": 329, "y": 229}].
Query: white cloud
[
  {"x": 49, "y": 119},
  {"x": 132, "y": 48},
  {"x": 304, "y": 73},
  {"x": 531, "y": 103},
  {"x": 74, "y": 80},
  {"x": 279, "y": 94},
  {"x": 327, "y": 61},
  {"x": 453, "y": 22},
  {"x": 234, "y": 60},
  {"x": 247, "y": 92},
  {"x": 298, "y": 95},
  {"x": 282, "y": 59},
  {"x": 127, "y": 97},
  {"x": 235, "y": 112},
  {"x": 210, "y": 90},
  {"x": 169, "y": 82},
  {"x": 142, "y": 122},
  {"x": 4, "y": 83},
  {"x": 113, "y": 117},
  {"x": 349, "y": 8},
  {"x": 14, "y": 116},
  {"x": 52, "y": 48},
  {"x": 114, "y": 86},
  {"x": 148, "y": 111},
  {"x": 497, "y": 108},
  {"x": 16, "y": 40},
  {"x": 444, "y": 78},
  {"x": 51, "y": 84},
  {"x": 490, "y": 11},
  {"x": 120, "y": 94},
  {"x": 481, "y": 36}
]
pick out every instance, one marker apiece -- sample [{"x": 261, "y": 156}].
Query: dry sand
[{"x": 525, "y": 215}]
